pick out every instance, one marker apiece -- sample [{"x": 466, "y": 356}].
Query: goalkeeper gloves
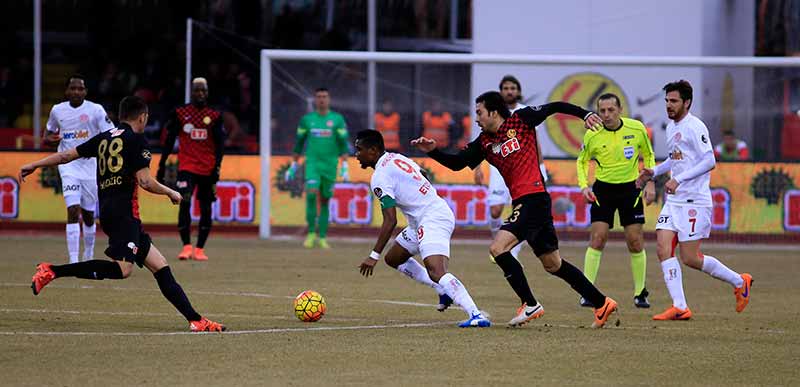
[
  {"x": 291, "y": 171},
  {"x": 345, "y": 172}
]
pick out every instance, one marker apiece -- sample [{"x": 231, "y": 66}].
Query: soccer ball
[{"x": 309, "y": 306}]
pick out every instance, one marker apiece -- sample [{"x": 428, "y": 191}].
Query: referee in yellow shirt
[{"x": 616, "y": 150}]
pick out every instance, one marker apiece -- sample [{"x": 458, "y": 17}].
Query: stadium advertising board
[{"x": 748, "y": 197}]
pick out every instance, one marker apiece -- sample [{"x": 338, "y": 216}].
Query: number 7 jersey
[
  {"x": 120, "y": 154},
  {"x": 398, "y": 178}
]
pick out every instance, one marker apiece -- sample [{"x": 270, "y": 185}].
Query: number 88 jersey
[
  {"x": 120, "y": 153},
  {"x": 398, "y": 181}
]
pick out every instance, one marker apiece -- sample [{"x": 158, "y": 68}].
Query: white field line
[
  {"x": 242, "y": 332},
  {"x": 156, "y": 314}
]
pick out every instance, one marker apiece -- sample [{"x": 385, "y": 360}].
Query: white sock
[
  {"x": 89, "y": 233},
  {"x": 417, "y": 272},
  {"x": 718, "y": 270},
  {"x": 673, "y": 277},
  {"x": 456, "y": 290},
  {"x": 494, "y": 225},
  {"x": 515, "y": 250},
  {"x": 73, "y": 241}
]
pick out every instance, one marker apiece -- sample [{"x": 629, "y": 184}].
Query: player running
[
  {"x": 70, "y": 124},
  {"x": 685, "y": 218},
  {"x": 200, "y": 151},
  {"x": 398, "y": 183},
  {"x": 508, "y": 141},
  {"x": 326, "y": 133},
  {"x": 123, "y": 162}
]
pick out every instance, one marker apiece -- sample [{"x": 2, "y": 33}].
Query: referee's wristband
[{"x": 375, "y": 255}]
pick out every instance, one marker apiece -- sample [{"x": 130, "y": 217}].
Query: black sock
[
  {"x": 205, "y": 223},
  {"x": 185, "y": 223},
  {"x": 580, "y": 283},
  {"x": 96, "y": 269},
  {"x": 174, "y": 293},
  {"x": 515, "y": 277}
]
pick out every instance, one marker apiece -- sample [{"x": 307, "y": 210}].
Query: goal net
[{"x": 743, "y": 101}]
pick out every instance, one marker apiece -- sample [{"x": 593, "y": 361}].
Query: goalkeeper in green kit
[{"x": 326, "y": 134}]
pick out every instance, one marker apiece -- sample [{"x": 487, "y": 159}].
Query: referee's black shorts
[
  {"x": 623, "y": 197},
  {"x": 531, "y": 220}
]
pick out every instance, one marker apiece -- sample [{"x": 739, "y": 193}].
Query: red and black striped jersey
[
  {"x": 512, "y": 149},
  {"x": 201, "y": 138}
]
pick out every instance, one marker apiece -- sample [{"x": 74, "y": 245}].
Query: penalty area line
[{"x": 240, "y": 332}]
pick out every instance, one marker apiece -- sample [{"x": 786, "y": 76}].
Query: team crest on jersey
[
  {"x": 378, "y": 192},
  {"x": 511, "y": 133},
  {"x": 84, "y": 118},
  {"x": 692, "y": 212},
  {"x": 206, "y": 120},
  {"x": 628, "y": 137},
  {"x": 329, "y": 123},
  {"x": 678, "y": 136}
]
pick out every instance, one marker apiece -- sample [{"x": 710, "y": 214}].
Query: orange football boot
[
  {"x": 185, "y": 253},
  {"x": 673, "y": 313},
  {"x": 743, "y": 293},
  {"x": 199, "y": 254},
  {"x": 206, "y": 325},
  {"x": 44, "y": 274},
  {"x": 602, "y": 313}
]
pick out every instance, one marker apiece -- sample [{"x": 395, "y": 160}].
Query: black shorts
[
  {"x": 531, "y": 220},
  {"x": 127, "y": 240},
  {"x": 206, "y": 187},
  {"x": 612, "y": 197}
]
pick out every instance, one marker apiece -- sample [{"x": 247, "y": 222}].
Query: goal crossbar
[{"x": 267, "y": 56}]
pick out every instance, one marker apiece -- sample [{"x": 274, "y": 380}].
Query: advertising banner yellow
[{"x": 748, "y": 197}]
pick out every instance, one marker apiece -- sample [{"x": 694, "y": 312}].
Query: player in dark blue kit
[{"x": 123, "y": 165}]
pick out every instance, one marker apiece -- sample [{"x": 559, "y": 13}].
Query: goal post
[{"x": 640, "y": 62}]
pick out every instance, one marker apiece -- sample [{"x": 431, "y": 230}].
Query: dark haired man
[{"x": 123, "y": 165}]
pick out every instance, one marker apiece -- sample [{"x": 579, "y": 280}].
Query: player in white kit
[
  {"x": 72, "y": 123},
  {"x": 398, "y": 183},
  {"x": 499, "y": 196},
  {"x": 685, "y": 218}
]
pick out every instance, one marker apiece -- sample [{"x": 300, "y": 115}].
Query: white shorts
[
  {"x": 691, "y": 223},
  {"x": 498, "y": 192},
  {"x": 79, "y": 191},
  {"x": 431, "y": 236}
]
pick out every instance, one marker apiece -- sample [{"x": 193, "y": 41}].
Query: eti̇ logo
[
  {"x": 580, "y": 89},
  {"x": 9, "y": 198},
  {"x": 509, "y": 147},
  {"x": 235, "y": 202}
]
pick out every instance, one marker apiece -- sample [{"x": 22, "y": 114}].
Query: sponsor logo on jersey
[
  {"x": 146, "y": 154},
  {"x": 206, "y": 120},
  {"x": 187, "y": 127},
  {"x": 70, "y": 187},
  {"x": 509, "y": 147},
  {"x": 75, "y": 134},
  {"x": 316, "y": 132},
  {"x": 198, "y": 134},
  {"x": 628, "y": 152}
]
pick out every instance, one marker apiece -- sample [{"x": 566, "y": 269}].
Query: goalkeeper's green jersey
[
  {"x": 326, "y": 136},
  {"x": 616, "y": 152}
]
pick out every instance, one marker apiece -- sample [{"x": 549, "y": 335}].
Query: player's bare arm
[
  {"x": 387, "y": 227},
  {"x": 52, "y": 138},
  {"x": 49, "y": 161},
  {"x": 149, "y": 184}
]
